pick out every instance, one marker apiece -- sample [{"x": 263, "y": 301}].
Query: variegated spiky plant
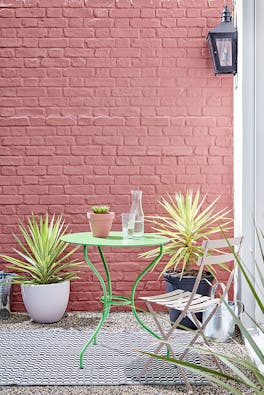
[
  {"x": 42, "y": 258},
  {"x": 187, "y": 224}
]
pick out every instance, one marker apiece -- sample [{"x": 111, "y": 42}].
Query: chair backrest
[
  {"x": 219, "y": 257},
  {"x": 222, "y": 257}
]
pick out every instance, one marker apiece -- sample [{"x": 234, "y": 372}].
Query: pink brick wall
[{"x": 99, "y": 97}]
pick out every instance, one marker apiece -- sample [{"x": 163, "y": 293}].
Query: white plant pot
[{"x": 46, "y": 303}]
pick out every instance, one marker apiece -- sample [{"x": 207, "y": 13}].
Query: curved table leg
[
  {"x": 108, "y": 278},
  {"x": 134, "y": 311},
  {"x": 150, "y": 266},
  {"x": 106, "y": 299}
]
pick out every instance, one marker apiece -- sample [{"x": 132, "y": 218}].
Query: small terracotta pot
[{"x": 100, "y": 224}]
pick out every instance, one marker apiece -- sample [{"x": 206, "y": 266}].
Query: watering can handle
[
  {"x": 238, "y": 302},
  {"x": 214, "y": 287},
  {"x": 241, "y": 305}
]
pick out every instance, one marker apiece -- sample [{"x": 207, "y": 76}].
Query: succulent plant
[{"x": 100, "y": 209}]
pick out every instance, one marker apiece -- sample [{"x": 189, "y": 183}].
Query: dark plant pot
[{"x": 173, "y": 282}]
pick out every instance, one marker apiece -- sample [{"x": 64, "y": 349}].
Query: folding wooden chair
[{"x": 189, "y": 303}]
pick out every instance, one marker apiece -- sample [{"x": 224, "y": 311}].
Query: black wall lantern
[{"x": 222, "y": 41}]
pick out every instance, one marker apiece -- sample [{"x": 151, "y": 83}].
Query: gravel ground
[{"x": 120, "y": 320}]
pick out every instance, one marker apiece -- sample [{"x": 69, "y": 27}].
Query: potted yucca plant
[
  {"x": 187, "y": 223},
  {"x": 43, "y": 267},
  {"x": 100, "y": 220}
]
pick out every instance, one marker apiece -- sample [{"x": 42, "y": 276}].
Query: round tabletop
[{"x": 115, "y": 239}]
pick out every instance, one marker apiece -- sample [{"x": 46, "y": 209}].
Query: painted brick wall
[{"x": 99, "y": 97}]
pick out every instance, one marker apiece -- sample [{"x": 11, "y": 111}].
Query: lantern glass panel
[{"x": 224, "y": 49}]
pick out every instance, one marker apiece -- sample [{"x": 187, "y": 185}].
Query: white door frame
[{"x": 249, "y": 140}]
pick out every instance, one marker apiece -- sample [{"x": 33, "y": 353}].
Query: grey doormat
[{"x": 51, "y": 357}]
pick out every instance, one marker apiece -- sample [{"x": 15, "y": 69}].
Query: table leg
[
  {"x": 108, "y": 278},
  {"x": 133, "y": 307},
  {"x": 106, "y": 298}
]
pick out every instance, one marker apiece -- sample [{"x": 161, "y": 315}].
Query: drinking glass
[{"x": 128, "y": 223}]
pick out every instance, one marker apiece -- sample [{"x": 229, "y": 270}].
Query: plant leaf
[{"x": 43, "y": 257}]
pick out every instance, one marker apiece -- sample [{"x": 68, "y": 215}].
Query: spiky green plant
[
  {"x": 100, "y": 209},
  {"x": 243, "y": 371},
  {"x": 187, "y": 224},
  {"x": 42, "y": 258}
]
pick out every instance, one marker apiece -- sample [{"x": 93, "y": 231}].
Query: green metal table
[{"x": 115, "y": 239}]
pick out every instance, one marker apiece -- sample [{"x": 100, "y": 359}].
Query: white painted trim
[
  {"x": 259, "y": 340},
  {"x": 249, "y": 142},
  {"x": 259, "y": 164},
  {"x": 244, "y": 144},
  {"x": 248, "y": 153}
]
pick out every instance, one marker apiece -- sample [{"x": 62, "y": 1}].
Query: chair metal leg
[
  {"x": 166, "y": 337},
  {"x": 148, "y": 362},
  {"x": 198, "y": 332},
  {"x": 197, "y": 322},
  {"x": 169, "y": 347},
  {"x": 154, "y": 315}
]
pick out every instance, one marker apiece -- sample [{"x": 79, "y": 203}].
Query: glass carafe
[{"x": 136, "y": 209}]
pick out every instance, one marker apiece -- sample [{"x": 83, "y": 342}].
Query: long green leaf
[{"x": 208, "y": 373}]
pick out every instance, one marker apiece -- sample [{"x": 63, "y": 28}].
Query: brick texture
[{"x": 98, "y": 97}]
